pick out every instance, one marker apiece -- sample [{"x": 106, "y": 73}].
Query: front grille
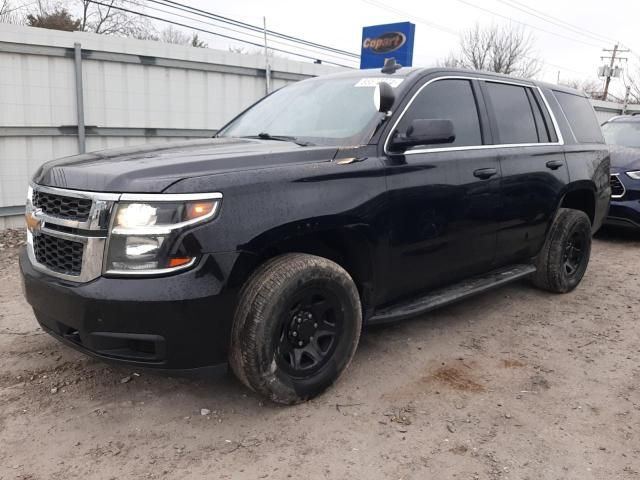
[
  {"x": 617, "y": 188},
  {"x": 58, "y": 254},
  {"x": 70, "y": 208}
]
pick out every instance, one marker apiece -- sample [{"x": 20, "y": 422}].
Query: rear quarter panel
[
  {"x": 589, "y": 164},
  {"x": 589, "y": 168}
]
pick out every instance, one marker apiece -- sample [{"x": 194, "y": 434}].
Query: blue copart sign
[{"x": 386, "y": 41}]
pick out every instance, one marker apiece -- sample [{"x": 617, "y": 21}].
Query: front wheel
[
  {"x": 296, "y": 327},
  {"x": 564, "y": 258}
]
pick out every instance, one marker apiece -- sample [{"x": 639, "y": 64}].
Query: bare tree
[
  {"x": 501, "y": 49},
  {"x": 177, "y": 37},
  {"x": 591, "y": 87},
  {"x": 196, "y": 42},
  {"x": 106, "y": 18},
  {"x": 241, "y": 50},
  {"x": 9, "y": 13},
  {"x": 173, "y": 35}
]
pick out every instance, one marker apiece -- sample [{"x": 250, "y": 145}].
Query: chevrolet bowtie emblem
[{"x": 33, "y": 222}]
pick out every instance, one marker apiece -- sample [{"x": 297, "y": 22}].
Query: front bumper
[
  {"x": 625, "y": 211},
  {"x": 178, "y": 322},
  {"x": 624, "y": 214}
]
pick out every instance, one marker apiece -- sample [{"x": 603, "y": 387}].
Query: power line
[
  {"x": 156, "y": 9},
  {"x": 213, "y": 33},
  {"x": 429, "y": 23},
  {"x": 473, "y": 5},
  {"x": 555, "y": 21},
  {"x": 238, "y": 23}
]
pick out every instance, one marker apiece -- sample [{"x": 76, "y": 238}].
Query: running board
[{"x": 445, "y": 296}]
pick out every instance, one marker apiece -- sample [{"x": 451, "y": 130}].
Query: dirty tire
[
  {"x": 290, "y": 299},
  {"x": 565, "y": 256}
]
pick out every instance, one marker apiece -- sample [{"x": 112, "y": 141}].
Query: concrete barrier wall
[{"x": 133, "y": 92}]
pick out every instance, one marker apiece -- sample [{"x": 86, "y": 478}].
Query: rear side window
[
  {"x": 581, "y": 117},
  {"x": 513, "y": 113},
  {"x": 448, "y": 100}
]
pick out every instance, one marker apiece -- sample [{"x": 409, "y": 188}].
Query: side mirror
[
  {"x": 383, "y": 97},
  {"x": 425, "y": 132}
]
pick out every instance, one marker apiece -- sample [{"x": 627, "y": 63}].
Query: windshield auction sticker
[{"x": 374, "y": 81}]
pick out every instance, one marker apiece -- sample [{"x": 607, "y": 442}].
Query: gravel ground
[{"x": 513, "y": 384}]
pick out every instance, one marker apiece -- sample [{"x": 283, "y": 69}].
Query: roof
[
  {"x": 413, "y": 72},
  {"x": 633, "y": 118}
]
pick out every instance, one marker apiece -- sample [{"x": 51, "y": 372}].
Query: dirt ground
[{"x": 513, "y": 384}]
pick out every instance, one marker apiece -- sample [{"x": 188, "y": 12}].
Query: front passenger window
[{"x": 447, "y": 100}]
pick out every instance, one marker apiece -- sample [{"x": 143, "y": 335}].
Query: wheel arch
[
  {"x": 580, "y": 196},
  {"x": 351, "y": 246}
]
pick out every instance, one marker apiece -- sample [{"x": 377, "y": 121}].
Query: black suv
[
  {"x": 622, "y": 133},
  {"x": 348, "y": 200}
]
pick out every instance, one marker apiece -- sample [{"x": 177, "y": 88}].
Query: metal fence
[
  {"x": 606, "y": 110},
  {"x": 63, "y": 93}
]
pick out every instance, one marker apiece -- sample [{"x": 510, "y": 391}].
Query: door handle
[
  {"x": 554, "y": 164},
  {"x": 485, "y": 173}
]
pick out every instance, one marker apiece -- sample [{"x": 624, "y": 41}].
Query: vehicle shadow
[{"x": 618, "y": 235}]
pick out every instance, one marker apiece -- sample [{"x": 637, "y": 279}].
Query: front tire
[
  {"x": 565, "y": 255},
  {"x": 296, "y": 327}
]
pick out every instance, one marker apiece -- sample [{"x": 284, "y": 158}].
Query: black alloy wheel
[
  {"x": 309, "y": 331},
  {"x": 574, "y": 253}
]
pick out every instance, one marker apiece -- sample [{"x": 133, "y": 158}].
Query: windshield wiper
[{"x": 280, "y": 138}]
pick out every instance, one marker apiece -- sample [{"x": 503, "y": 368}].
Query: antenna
[{"x": 390, "y": 65}]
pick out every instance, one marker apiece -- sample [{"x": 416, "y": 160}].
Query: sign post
[{"x": 385, "y": 41}]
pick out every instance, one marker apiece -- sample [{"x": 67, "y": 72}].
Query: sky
[{"x": 570, "y": 52}]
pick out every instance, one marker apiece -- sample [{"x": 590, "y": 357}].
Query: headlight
[
  {"x": 145, "y": 227},
  {"x": 634, "y": 175}
]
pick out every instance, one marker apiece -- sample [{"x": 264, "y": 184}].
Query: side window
[
  {"x": 450, "y": 100},
  {"x": 513, "y": 113},
  {"x": 581, "y": 117}
]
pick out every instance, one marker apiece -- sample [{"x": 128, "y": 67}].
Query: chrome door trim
[{"x": 475, "y": 147}]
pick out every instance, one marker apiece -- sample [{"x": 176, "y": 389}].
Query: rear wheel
[
  {"x": 296, "y": 328},
  {"x": 565, "y": 256}
]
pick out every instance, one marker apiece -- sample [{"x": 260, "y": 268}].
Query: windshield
[
  {"x": 626, "y": 134},
  {"x": 322, "y": 112}
]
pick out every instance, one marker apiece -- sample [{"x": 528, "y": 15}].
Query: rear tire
[
  {"x": 296, "y": 327},
  {"x": 565, "y": 255}
]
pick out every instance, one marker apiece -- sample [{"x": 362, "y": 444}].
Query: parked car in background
[
  {"x": 353, "y": 199},
  {"x": 623, "y": 135}
]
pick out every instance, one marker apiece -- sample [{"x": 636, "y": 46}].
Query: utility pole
[
  {"x": 609, "y": 71},
  {"x": 267, "y": 69}
]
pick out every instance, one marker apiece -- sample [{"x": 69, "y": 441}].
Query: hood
[
  {"x": 624, "y": 158},
  {"x": 153, "y": 168}
]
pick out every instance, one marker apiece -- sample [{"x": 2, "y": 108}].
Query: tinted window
[
  {"x": 581, "y": 116},
  {"x": 513, "y": 114},
  {"x": 450, "y": 100}
]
